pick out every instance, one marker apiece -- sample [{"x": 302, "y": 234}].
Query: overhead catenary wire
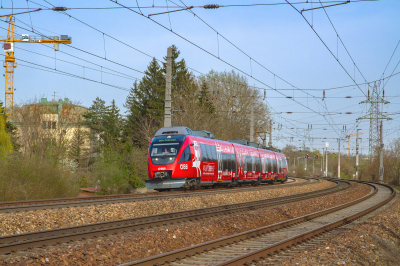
[
  {"x": 352, "y": 85},
  {"x": 123, "y": 74},
  {"x": 241, "y": 71},
  {"x": 81, "y": 50},
  {"x": 319, "y": 37},
  {"x": 72, "y": 75},
  {"x": 338, "y": 36},
  {"x": 202, "y": 6}
]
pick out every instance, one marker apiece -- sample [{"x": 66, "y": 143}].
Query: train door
[
  {"x": 219, "y": 159},
  {"x": 244, "y": 165},
  {"x": 234, "y": 164},
  {"x": 280, "y": 175},
  {"x": 253, "y": 165}
]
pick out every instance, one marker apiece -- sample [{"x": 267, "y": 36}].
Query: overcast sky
[{"x": 286, "y": 54}]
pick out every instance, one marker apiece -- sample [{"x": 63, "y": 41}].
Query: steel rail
[
  {"x": 71, "y": 199},
  {"x": 268, "y": 249},
  {"x": 100, "y": 200},
  {"x": 12, "y": 243}
]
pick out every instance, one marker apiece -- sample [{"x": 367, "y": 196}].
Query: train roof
[
  {"x": 168, "y": 131},
  {"x": 204, "y": 134},
  {"x": 171, "y": 131}
]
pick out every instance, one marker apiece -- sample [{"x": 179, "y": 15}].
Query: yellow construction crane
[{"x": 9, "y": 62}]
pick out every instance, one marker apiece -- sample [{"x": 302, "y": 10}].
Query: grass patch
[{"x": 28, "y": 178}]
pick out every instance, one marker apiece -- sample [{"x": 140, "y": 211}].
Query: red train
[{"x": 180, "y": 158}]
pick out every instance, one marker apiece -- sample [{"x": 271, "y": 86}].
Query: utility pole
[
  {"x": 381, "y": 169},
  {"x": 167, "y": 102},
  {"x": 326, "y": 163},
  {"x": 338, "y": 173},
  {"x": 323, "y": 157},
  {"x": 270, "y": 134},
  {"x": 357, "y": 155},
  {"x": 252, "y": 123}
]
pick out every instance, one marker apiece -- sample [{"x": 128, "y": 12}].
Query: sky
[{"x": 274, "y": 46}]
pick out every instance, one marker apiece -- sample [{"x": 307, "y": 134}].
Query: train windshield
[{"x": 164, "y": 150}]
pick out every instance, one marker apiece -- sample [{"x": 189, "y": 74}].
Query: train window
[
  {"x": 233, "y": 162},
  {"x": 275, "y": 165},
  {"x": 245, "y": 162},
  {"x": 283, "y": 163},
  {"x": 224, "y": 162},
  {"x": 186, "y": 155},
  {"x": 258, "y": 164},
  {"x": 204, "y": 155},
  {"x": 249, "y": 163},
  {"x": 280, "y": 165},
  {"x": 214, "y": 153},
  {"x": 270, "y": 165}
]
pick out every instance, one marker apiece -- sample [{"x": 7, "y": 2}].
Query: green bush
[
  {"x": 28, "y": 178},
  {"x": 117, "y": 172}
]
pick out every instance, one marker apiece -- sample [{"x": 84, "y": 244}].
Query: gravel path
[
  {"x": 375, "y": 241},
  {"x": 17, "y": 223},
  {"x": 118, "y": 249}
]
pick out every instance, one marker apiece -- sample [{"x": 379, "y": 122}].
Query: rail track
[
  {"x": 31, "y": 205},
  {"x": 251, "y": 246},
  {"x": 12, "y": 243}
]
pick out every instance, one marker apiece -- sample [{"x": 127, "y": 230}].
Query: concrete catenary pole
[
  {"x": 270, "y": 134},
  {"x": 252, "y": 123},
  {"x": 357, "y": 155},
  {"x": 381, "y": 169},
  {"x": 167, "y": 103},
  {"x": 326, "y": 162},
  {"x": 323, "y": 161},
  {"x": 338, "y": 168}
]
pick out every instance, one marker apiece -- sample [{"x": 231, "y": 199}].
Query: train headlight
[
  {"x": 170, "y": 158},
  {"x": 156, "y": 159}
]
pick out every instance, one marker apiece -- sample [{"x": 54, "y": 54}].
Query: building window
[{"x": 49, "y": 125}]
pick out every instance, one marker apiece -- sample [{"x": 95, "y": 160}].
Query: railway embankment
[
  {"x": 373, "y": 240},
  {"x": 39, "y": 220},
  {"x": 113, "y": 250}
]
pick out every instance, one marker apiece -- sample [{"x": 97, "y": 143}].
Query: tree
[
  {"x": 78, "y": 148},
  {"x": 112, "y": 124},
  {"x": 145, "y": 104},
  {"x": 205, "y": 100},
  {"x": 5, "y": 140},
  {"x": 105, "y": 121},
  {"x": 9, "y": 128}
]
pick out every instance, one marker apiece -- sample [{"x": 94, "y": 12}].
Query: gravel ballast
[
  {"x": 17, "y": 223},
  {"x": 375, "y": 241},
  {"x": 118, "y": 249}
]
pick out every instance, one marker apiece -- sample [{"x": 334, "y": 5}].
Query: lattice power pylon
[{"x": 376, "y": 102}]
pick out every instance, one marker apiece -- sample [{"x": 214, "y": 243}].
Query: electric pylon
[{"x": 376, "y": 101}]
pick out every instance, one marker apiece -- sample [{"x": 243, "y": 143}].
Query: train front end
[{"x": 170, "y": 159}]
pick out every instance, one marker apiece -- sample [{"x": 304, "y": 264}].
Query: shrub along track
[
  {"x": 250, "y": 246},
  {"x": 11, "y": 243},
  {"x": 31, "y": 205}
]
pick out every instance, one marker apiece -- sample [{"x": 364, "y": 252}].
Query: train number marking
[{"x": 184, "y": 167}]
